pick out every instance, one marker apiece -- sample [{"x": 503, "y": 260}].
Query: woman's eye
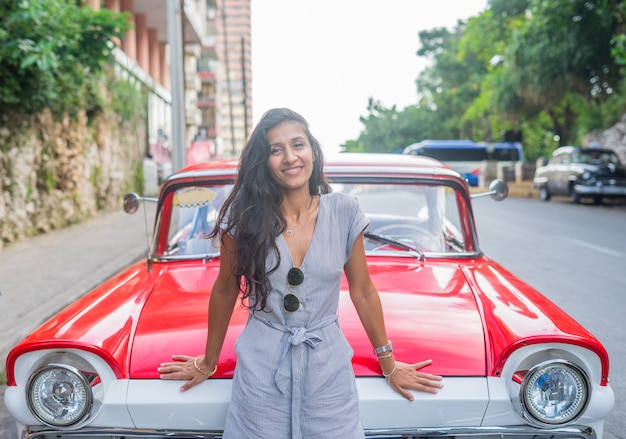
[
  {"x": 275, "y": 151},
  {"x": 299, "y": 145}
]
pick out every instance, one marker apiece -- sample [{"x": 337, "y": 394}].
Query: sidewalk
[
  {"x": 524, "y": 189},
  {"x": 41, "y": 275}
]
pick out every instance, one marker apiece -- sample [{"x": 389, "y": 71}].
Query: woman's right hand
[
  {"x": 184, "y": 368},
  {"x": 404, "y": 377}
]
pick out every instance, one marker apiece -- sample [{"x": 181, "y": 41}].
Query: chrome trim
[
  {"x": 570, "y": 432},
  {"x": 605, "y": 189}
]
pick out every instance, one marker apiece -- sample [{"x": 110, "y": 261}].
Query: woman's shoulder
[
  {"x": 339, "y": 197},
  {"x": 340, "y": 200}
]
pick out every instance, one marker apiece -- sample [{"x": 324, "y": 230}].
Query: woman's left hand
[
  {"x": 407, "y": 377},
  {"x": 182, "y": 368}
]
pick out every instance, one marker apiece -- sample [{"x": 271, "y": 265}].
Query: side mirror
[
  {"x": 498, "y": 190},
  {"x": 131, "y": 202}
]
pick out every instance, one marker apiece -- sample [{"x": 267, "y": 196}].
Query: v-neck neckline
[{"x": 291, "y": 258}]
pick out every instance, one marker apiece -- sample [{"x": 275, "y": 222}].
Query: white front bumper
[{"x": 464, "y": 404}]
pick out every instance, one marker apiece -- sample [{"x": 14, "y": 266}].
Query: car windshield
[
  {"x": 422, "y": 217},
  {"x": 596, "y": 157}
]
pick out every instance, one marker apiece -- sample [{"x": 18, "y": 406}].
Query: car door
[{"x": 562, "y": 170}]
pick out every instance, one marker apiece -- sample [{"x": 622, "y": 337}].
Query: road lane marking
[{"x": 597, "y": 248}]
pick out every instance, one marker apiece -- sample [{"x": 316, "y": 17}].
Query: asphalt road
[{"x": 575, "y": 255}]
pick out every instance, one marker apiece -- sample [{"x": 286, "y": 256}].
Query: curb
[{"x": 517, "y": 190}]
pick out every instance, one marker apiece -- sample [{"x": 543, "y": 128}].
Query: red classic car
[{"x": 514, "y": 364}]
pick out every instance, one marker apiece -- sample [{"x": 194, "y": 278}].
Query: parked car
[
  {"x": 579, "y": 173},
  {"x": 514, "y": 363}
]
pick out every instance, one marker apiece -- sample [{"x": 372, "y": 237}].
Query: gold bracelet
[{"x": 202, "y": 371}]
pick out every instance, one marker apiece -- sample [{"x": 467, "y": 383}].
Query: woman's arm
[
  {"x": 402, "y": 377},
  {"x": 221, "y": 304}
]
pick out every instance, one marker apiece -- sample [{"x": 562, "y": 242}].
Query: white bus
[{"x": 466, "y": 156}]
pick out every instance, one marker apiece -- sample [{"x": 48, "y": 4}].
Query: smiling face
[{"x": 291, "y": 156}]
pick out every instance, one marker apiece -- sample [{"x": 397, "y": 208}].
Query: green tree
[
  {"x": 390, "y": 130},
  {"x": 385, "y": 129},
  {"x": 49, "y": 51},
  {"x": 561, "y": 55},
  {"x": 451, "y": 84},
  {"x": 553, "y": 69}
]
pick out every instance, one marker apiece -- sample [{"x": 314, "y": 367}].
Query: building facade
[
  {"x": 216, "y": 78},
  {"x": 233, "y": 26}
]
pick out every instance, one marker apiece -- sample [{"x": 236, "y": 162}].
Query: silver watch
[{"x": 387, "y": 348}]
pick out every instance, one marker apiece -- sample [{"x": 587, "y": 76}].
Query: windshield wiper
[
  {"x": 453, "y": 241},
  {"x": 390, "y": 241}
]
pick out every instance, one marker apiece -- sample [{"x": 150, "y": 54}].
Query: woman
[{"x": 285, "y": 243}]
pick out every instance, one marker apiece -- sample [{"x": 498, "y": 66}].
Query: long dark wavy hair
[{"x": 251, "y": 213}]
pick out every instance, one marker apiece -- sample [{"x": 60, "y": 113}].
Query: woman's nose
[{"x": 289, "y": 154}]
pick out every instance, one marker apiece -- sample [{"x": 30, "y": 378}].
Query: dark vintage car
[
  {"x": 592, "y": 173},
  {"x": 514, "y": 363}
]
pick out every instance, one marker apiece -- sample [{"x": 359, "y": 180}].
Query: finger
[
  {"x": 169, "y": 376},
  {"x": 429, "y": 376},
  {"x": 178, "y": 357},
  {"x": 169, "y": 367},
  {"x": 178, "y": 364},
  {"x": 426, "y": 388},
  {"x": 413, "y": 370},
  {"x": 191, "y": 383},
  {"x": 427, "y": 384},
  {"x": 169, "y": 363},
  {"x": 176, "y": 372},
  {"x": 422, "y": 364},
  {"x": 408, "y": 395},
  {"x": 172, "y": 367}
]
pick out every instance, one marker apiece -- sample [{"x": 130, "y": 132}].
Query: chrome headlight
[
  {"x": 59, "y": 395},
  {"x": 554, "y": 393}
]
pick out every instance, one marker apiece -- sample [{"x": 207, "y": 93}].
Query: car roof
[
  {"x": 338, "y": 163},
  {"x": 570, "y": 149},
  {"x": 384, "y": 160},
  {"x": 443, "y": 144}
]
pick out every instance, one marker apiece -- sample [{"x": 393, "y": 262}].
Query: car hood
[
  {"x": 430, "y": 312},
  {"x": 467, "y": 315},
  {"x": 608, "y": 170},
  {"x": 611, "y": 171}
]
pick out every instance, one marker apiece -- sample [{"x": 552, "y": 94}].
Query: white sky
[{"x": 326, "y": 58}]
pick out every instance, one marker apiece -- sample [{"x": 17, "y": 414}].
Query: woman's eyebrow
[{"x": 292, "y": 139}]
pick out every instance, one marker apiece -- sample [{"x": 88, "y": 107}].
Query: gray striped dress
[{"x": 294, "y": 377}]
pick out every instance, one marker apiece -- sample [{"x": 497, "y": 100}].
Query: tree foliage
[
  {"x": 49, "y": 50},
  {"x": 451, "y": 83},
  {"x": 390, "y": 130},
  {"x": 554, "y": 69}
]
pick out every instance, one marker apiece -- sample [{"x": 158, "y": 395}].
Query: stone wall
[
  {"x": 612, "y": 138},
  {"x": 54, "y": 173}
]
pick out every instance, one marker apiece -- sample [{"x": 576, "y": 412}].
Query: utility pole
[
  {"x": 174, "y": 37},
  {"x": 228, "y": 84},
  {"x": 245, "y": 89}
]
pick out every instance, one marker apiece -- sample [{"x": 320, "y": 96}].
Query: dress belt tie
[{"x": 298, "y": 335}]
